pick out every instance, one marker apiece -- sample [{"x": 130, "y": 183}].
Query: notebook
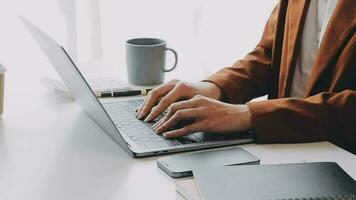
[{"x": 322, "y": 180}]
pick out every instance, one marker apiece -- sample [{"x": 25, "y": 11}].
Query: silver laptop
[{"x": 118, "y": 118}]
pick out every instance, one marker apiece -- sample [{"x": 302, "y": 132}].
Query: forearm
[
  {"x": 325, "y": 116},
  {"x": 246, "y": 79}
]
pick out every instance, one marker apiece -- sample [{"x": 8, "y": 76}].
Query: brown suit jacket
[{"x": 328, "y": 111}]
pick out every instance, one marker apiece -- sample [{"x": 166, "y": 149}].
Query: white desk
[{"x": 49, "y": 149}]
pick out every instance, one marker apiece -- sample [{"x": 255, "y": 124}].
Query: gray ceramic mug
[{"x": 146, "y": 60}]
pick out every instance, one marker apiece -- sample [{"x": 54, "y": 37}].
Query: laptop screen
[{"x": 76, "y": 83}]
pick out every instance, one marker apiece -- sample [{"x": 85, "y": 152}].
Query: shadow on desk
[{"x": 87, "y": 136}]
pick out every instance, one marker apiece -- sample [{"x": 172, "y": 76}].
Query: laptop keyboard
[{"x": 122, "y": 113}]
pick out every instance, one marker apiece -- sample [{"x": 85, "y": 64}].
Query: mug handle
[{"x": 176, "y": 60}]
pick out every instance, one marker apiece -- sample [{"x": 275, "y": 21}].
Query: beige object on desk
[
  {"x": 2, "y": 82},
  {"x": 188, "y": 189}
]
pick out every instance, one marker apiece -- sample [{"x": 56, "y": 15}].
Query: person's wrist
[
  {"x": 211, "y": 89},
  {"x": 248, "y": 119},
  {"x": 245, "y": 118}
]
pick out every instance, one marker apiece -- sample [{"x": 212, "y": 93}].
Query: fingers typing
[
  {"x": 180, "y": 116},
  {"x": 192, "y": 128},
  {"x": 152, "y": 99},
  {"x": 171, "y": 111},
  {"x": 164, "y": 103}
]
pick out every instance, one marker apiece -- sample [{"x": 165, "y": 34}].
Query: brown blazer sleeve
[
  {"x": 325, "y": 116},
  {"x": 249, "y": 78},
  {"x": 322, "y": 116}
]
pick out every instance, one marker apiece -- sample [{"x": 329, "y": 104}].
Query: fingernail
[
  {"x": 157, "y": 130},
  {"x": 147, "y": 119},
  {"x": 140, "y": 116},
  {"x": 164, "y": 135}
]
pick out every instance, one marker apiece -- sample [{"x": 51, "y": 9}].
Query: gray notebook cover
[{"x": 282, "y": 181}]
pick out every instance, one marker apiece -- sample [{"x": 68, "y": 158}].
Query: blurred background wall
[{"x": 207, "y": 34}]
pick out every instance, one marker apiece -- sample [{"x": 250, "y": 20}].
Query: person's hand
[
  {"x": 160, "y": 98},
  {"x": 204, "y": 114}
]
